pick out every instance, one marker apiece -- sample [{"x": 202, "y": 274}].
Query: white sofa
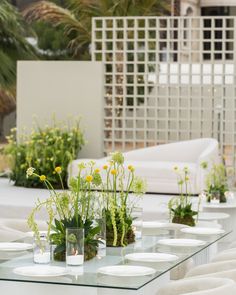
[
  {"x": 155, "y": 164},
  {"x": 202, "y": 286}
]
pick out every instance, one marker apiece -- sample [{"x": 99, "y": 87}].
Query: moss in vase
[
  {"x": 180, "y": 207},
  {"x": 128, "y": 239},
  {"x": 187, "y": 220}
]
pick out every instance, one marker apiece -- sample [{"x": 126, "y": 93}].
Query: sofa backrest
[{"x": 183, "y": 151}]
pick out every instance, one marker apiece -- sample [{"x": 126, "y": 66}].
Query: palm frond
[{"x": 78, "y": 33}]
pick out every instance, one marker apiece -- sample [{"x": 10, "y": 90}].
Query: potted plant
[
  {"x": 74, "y": 208},
  {"x": 181, "y": 207},
  {"x": 119, "y": 182},
  {"x": 216, "y": 182}
]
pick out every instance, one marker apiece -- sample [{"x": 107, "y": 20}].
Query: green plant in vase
[
  {"x": 69, "y": 209},
  {"x": 216, "y": 182},
  {"x": 181, "y": 207},
  {"x": 118, "y": 182}
]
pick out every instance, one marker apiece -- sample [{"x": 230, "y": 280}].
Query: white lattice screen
[{"x": 167, "y": 79}]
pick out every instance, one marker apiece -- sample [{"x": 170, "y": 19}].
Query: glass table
[
  {"x": 87, "y": 280},
  {"x": 228, "y": 208}
]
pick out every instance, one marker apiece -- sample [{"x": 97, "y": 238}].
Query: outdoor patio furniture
[
  {"x": 202, "y": 286},
  {"x": 218, "y": 269},
  {"x": 232, "y": 245},
  {"x": 7, "y": 235},
  {"x": 224, "y": 256},
  {"x": 155, "y": 164}
]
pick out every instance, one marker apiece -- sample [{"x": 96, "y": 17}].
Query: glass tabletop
[{"x": 89, "y": 274}]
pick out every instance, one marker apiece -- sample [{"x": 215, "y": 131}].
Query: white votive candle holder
[
  {"x": 75, "y": 260},
  {"x": 74, "y": 246},
  {"x": 42, "y": 258},
  {"x": 42, "y": 253}
]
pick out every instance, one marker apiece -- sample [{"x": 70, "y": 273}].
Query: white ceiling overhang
[{"x": 209, "y": 3}]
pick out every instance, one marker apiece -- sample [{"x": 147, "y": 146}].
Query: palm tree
[
  {"x": 13, "y": 47},
  {"x": 76, "y": 16}
]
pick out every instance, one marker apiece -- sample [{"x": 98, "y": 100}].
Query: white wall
[{"x": 63, "y": 88}]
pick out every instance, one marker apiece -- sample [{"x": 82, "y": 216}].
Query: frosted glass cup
[
  {"x": 74, "y": 246},
  {"x": 42, "y": 253}
]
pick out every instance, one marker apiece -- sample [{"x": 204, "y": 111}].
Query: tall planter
[
  {"x": 119, "y": 231},
  {"x": 181, "y": 207}
]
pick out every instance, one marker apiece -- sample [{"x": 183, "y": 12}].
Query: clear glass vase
[
  {"x": 74, "y": 246},
  {"x": 42, "y": 250}
]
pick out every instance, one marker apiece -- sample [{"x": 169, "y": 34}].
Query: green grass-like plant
[
  {"x": 44, "y": 149},
  {"x": 74, "y": 208},
  {"x": 181, "y": 207},
  {"x": 216, "y": 181}
]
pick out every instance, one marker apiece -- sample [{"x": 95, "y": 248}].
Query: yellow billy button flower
[
  {"x": 97, "y": 170},
  {"x": 105, "y": 167},
  {"x": 113, "y": 171},
  {"x": 58, "y": 169},
  {"x": 187, "y": 178},
  {"x": 89, "y": 178},
  {"x": 42, "y": 177},
  {"x": 131, "y": 168}
]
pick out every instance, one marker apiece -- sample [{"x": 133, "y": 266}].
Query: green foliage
[
  {"x": 180, "y": 208},
  {"x": 13, "y": 44},
  {"x": 76, "y": 16},
  {"x": 76, "y": 208},
  {"x": 184, "y": 210},
  {"x": 119, "y": 182},
  {"x": 51, "y": 42},
  {"x": 115, "y": 182},
  {"x": 216, "y": 182},
  {"x": 216, "y": 179},
  {"x": 93, "y": 193},
  {"x": 44, "y": 149},
  {"x": 123, "y": 232},
  {"x": 59, "y": 237}
]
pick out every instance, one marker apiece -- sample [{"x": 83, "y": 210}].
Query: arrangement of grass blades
[
  {"x": 44, "y": 149},
  {"x": 216, "y": 181},
  {"x": 124, "y": 230},
  {"x": 180, "y": 207},
  {"x": 184, "y": 215},
  {"x": 59, "y": 237}
]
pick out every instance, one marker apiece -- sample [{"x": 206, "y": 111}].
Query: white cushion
[
  {"x": 199, "y": 286},
  {"x": 20, "y": 225},
  {"x": 224, "y": 256},
  {"x": 212, "y": 268},
  {"x": 8, "y": 235}
]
